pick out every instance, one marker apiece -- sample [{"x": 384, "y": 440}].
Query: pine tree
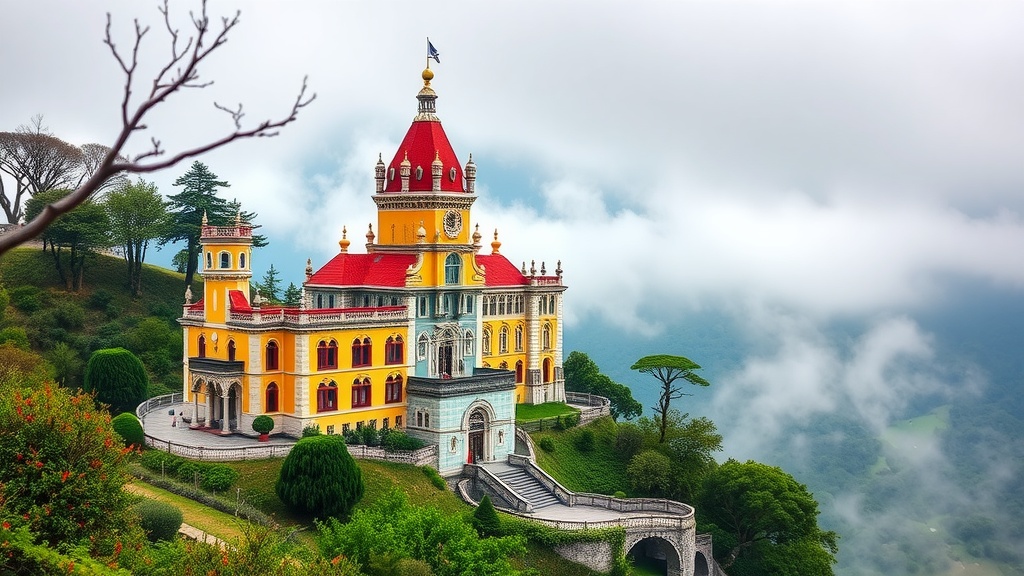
[
  {"x": 485, "y": 518},
  {"x": 187, "y": 208},
  {"x": 270, "y": 288},
  {"x": 292, "y": 295}
]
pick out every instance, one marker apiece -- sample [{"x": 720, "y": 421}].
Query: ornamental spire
[{"x": 427, "y": 109}]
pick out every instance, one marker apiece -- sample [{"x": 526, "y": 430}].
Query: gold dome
[{"x": 428, "y": 75}]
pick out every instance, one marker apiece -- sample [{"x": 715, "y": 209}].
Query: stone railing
[
  {"x": 426, "y": 456},
  {"x": 190, "y": 314},
  {"x": 546, "y": 280},
  {"x": 497, "y": 485},
  {"x": 227, "y": 231},
  {"x": 156, "y": 402},
  {"x": 254, "y": 452},
  {"x": 296, "y": 317},
  {"x": 524, "y": 438},
  {"x": 549, "y": 483},
  {"x": 594, "y": 406}
]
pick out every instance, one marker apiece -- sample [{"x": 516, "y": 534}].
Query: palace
[{"x": 425, "y": 331}]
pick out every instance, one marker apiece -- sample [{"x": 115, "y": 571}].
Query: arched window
[
  {"x": 271, "y": 404},
  {"x": 485, "y": 341},
  {"x": 202, "y": 346},
  {"x": 519, "y": 372},
  {"x": 547, "y": 370},
  {"x": 231, "y": 350},
  {"x": 241, "y": 260},
  {"x": 361, "y": 352},
  {"x": 319, "y": 300},
  {"x": 503, "y": 340},
  {"x": 543, "y": 305},
  {"x": 225, "y": 260},
  {"x": 327, "y": 397},
  {"x": 545, "y": 339},
  {"x": 519, "y": 338},
  {"x": 360, "y": 392},
  {"x": 503, "y": 365},
  {"x": 272, "y": 356},
  {"x": 393, "y": 388},
  {"x": 209, "y": 261},
  {"x": 394, "y": 350},
  {"x": 421, "y": 347},
  {"x": 326, "y": 355},
  {"x": 452, "y": 267},
  {"x": 551, "y": 305},
  {"x": 468, "y": 343}
]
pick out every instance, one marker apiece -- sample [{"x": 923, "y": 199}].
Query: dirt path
[{"x": 200, "y": 522}]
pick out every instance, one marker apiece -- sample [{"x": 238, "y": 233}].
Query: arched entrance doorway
[
  {"x": 478, "y": 424},
  {"x": 657, "y": 555},
  {"x": 700, "y": 565}
]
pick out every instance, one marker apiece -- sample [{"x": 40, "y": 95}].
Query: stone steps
[{"x": 528, "y": 487}]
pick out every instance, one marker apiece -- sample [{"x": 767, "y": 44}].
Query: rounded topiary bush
[
  {"x": 320, "y": 478},
  {"x": 219, "y": 477},
  {"x": 117, "y": 377},
  {"x": 160, "y": 520},
  {"x": 129, "y": 429},
  {"x": 547, "y": 444},
  {"x": 263, "y": 424}
]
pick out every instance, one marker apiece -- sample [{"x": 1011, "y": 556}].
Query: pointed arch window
[
  {"x": 241, "y": 260},
  {"x": 361, "y": 352},
  {"x": 519, "y": 338},
  {"x": 519, "y": 372},
  {"x": 485, "y": 341},
  {"x": 546, "y": 337},
  {"x": 468, "y": 343},
  {"x": 272, "y": 393},
  {"x": 503, "y": 365},
  {"x": 361, "y": 392},
  {"x": 231, "y": 350},
  {"x": 503, "y": 340},
  {"x": 326, "y": 355},
  {"x": 272, "y": 356},
  {"x": 202, "y": 346},
  {"x": 209, "y": 261},
  {"x": 421, "y": 347},
  {"x": 393, "y": 389},
  {"x": 547, "y": 370},
  {"x": 394, "y": 350},
  {"x": 452, "y": 267},
  {"x": 327, "y": 397}
]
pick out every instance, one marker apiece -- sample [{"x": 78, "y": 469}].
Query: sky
[{"x": 789, "y": 166}]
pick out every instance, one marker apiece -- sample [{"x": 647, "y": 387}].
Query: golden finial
[
  {"x": 428, "y": 75},
  {"x": 495, "y": 245},
  {"x": 344, "y": 242}
]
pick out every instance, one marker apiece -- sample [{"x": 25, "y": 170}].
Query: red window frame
[
  {"x": 362, "y": 352},
  {"x": 272, "y": 356},
  {"x": 326, "y": 355},
  {"x": 272, "y": 398},
  {"x": 361, "y": 393},
  {"x": 327, "y": 397},
  {"x": 394, "y": 350},
  {"x": 393, "y": 389}
]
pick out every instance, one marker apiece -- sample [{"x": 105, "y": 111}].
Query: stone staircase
[{"x": 526, "y": 486}]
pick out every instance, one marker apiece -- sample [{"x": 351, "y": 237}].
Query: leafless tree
[
  {"x": 36, "y": 161},
  {"x": 181, "y": 71}
]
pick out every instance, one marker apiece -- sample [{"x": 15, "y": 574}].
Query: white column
[{"x": 224, "y": 412}]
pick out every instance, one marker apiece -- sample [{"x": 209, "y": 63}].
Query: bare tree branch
[{"x": 182, "y": 71}]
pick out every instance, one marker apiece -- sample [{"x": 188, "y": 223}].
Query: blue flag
[{"x": 432, "y": 52}]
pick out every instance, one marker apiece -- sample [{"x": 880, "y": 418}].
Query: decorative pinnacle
[
  {"x": 309, "y": 270},
  {"x": 495, "y": 245},
  {"x": 205, "y": 221},
  {"x": 344, "y": 242},
  {"x": 370, "y": 235}
]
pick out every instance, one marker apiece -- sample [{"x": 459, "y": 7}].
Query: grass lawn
[
  {"x": 601, "y": 471},
  {"x": 525, "y": 412},
  {"x": 214, "y": 522}
]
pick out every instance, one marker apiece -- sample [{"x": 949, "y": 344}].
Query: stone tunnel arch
[
  {"x": 700, "y": 565},
  {"x": 657, "y": 550}
]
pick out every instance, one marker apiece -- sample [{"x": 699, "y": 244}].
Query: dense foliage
[
  {"x": 583, "y": 375},
  {"x": 393, "y": 529},
  {"x": 485, "y": 518},
  {"x": 129, "y": 429},
  {"x": 159, "y": 520},
  {"x": 319, "y": 478},
  {"x": 118, "y": 378},
  {"x": 668, "y": 370}
]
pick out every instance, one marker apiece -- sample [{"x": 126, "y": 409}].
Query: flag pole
[{"x": 428, "y": 52}]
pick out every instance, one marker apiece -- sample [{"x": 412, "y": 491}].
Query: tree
[
  {"x": 196, "y": 203},
  {"x": 691, "y": 449},
  {"x": 319, "y": 477},
  {"x": 583, "y": 375},
  {"x": 485, "y": 518},
  {"x": 292, "y": 295},
  {"x": 650, "y": 472},
  {"x": 37, "y": 161},
  {"x": 64, "y": 467},
  {"x": 181, "y": 71},
  {"x": 137, "y": 214},
  {"x": 180, "y": 261},
  {"x": 668, "y": 369},
  {"x": 67, "y": 365},
  {"x": 270, "y": 288},
  {"x": 72, "y": 238},
  {"x": 757, "y": 508},
  {"x": 117, "y": 377}
]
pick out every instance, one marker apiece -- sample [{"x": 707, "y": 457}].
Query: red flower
[
  {"x": 39, "y": 464},
  {"x": 64, "y": 475},
  {"x": 7, "y": 525}
]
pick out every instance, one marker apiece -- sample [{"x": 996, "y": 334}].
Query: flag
[{"x": 432, "y": 52}]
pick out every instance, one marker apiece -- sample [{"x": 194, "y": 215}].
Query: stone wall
[{"x": 594, "y": 555}]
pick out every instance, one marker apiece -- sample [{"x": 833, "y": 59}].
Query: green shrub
[
  {"x": 584, "y": 441},
  {"x": 218, "y": 477},
  {"x": 160, "y": 520},
  {"x": 619, "y": 494},
  {"x": 650, "y": 471},
  {"x": 188, "y": 471},
  {"x": 15, "y": 335},
  {"x": 99, "y": 299},
  {"x": 392, "y": 439},
  {"x": 28, "y": 299},
  {"x": 319, "y": 477},
  {"x": 311, "y": 430},
  {"x": 547, "y": 444},
  {"x": 435, "y": 478},
  {"x": 368, "y": 436},
  {"x": 118, "y": 378},
  {"x": 485, "y": 518},
  {"x": 629, "y": 439},
  {"x": 263, "y": 424},
  {"x": 352, "y": 437},
  {"x": 129, "y": 429},
  {"x": 69, "y": 315},
  {"x": 566, "y": 421}
]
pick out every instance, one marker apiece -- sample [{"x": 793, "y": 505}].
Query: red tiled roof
[
  {"x": 239, "y": 303},
  {"x": 424, "y": 138},
  {"x": 364, "y": 270},
  {"x": 501, "y": 272},
  {"x": 197, "y": 306}
]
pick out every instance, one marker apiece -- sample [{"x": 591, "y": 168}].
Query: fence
[
  {"x": 591, "y": 406},
  {"x": 255, "y": 452},
  {"x": 156, "y": 402}
]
